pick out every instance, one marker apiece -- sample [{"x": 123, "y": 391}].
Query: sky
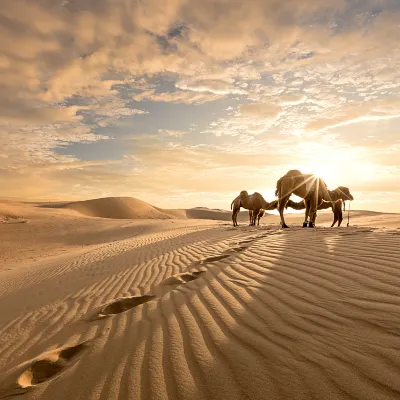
[{"x": 184, "y": 103}]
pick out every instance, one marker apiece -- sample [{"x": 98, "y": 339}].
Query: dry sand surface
[{"x": 179, "y": 308}]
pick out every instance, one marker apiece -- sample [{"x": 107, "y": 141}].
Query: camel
[
  {"x": 312, "y": 189},
  {"x": 300, "y": 205},
  {"x": 343, "y": 194},
  {"x": 237, "y": 203},
  {"x": 254, "y": 203}
]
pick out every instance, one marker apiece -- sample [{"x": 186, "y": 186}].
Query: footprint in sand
[
  {"x": 126, "y": 303},
  {"x": 182, "y": 278},
  {"x": 45, "y": 368},
  {"x": 251, "y": 239},
  {"x": 210, "y": 260},
  {"x": 235, "y": 250},
  {"x": 121, "y": 305},
  {"x": 213, "y": 259},
  {"x": 169, "y": 284},
  {"x": 246, "y": 241}
]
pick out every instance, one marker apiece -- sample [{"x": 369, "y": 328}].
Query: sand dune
[
  {"x": 185, "y": 310},
  {"x": 131, "y": 208},
  {"x": 118, "y": 208}
]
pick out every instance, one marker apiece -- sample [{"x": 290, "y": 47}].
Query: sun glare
[
  {"x": 325, "y": 162},
  {"x": 326, "y": 172}
]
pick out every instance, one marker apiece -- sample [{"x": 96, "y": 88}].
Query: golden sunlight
[{"x": 329, "y": 163}]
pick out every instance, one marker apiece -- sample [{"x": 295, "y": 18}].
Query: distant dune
[
  {"x": 132, "y": 208},
  {"x": 118, "y": 208},
  {"x": 215, "y": 214}
]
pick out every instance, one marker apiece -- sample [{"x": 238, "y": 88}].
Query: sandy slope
[
  {"x": 118, "y": 207},
  {"x": 190, "y": 309},
  {"x": 131, "y": 208}
]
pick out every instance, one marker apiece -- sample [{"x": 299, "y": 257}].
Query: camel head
[
  {"x": 344, "y": 193},
  {"x": 294, "y": 173}
]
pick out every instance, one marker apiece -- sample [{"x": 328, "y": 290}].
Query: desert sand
[{"x": 117, "y": 299}]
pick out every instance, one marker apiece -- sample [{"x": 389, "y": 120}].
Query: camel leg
[
  {"x": 250, "y": 217},
  {"x": 311, "y": 224},
  {"x": 234, "y": 216},
  {"x": 281, "y": 207},
  {"x": 335, "y": 217},
  {"x": 258, "y": 222},
  {"x": 255, "y": 215},
  {"x": 313, "y": 212},
  {"x": 306, "y": 213},
  {"x": 340, "y": 216}
]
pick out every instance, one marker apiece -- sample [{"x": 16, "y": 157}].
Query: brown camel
[
  {"x": 343, "y": 194},
  {"x": 312, "y": 189},
  {"x": 254, "y": 203}
]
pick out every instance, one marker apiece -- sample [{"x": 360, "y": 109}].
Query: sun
[
  {"x": 320, "y": 170},
  {"x": 326, "y": 162}
]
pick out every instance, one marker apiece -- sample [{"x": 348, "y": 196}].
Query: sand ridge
[
  {"x": 118, "y": 208},
  {"x": 191, "y": 311}
]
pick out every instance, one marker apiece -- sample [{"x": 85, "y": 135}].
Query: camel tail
[{"x": 232, "y": 204}]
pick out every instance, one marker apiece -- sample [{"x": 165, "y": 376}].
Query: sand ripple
[{"x": 209, "y": 313}]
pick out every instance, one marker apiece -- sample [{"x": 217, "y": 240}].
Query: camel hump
[
  {"x": 260, "y": 196},
  {"x": 293, "y": 173}
]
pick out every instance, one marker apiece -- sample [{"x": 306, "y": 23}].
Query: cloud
[
  {"x": 260, "y": 110},
  {"x": 15, "y": 113},
  {"x": 381, "y": 109},
  {"x": 160, "y": 135},
  {"x": 29, "y": 150},
  {"x": 107, "y": 110},
  {"x": 185, "y": 97},
  {"x": 292, "y": 99},
  {"x": 171, "y": 133},
  {"x": 219, "y": 87}
]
